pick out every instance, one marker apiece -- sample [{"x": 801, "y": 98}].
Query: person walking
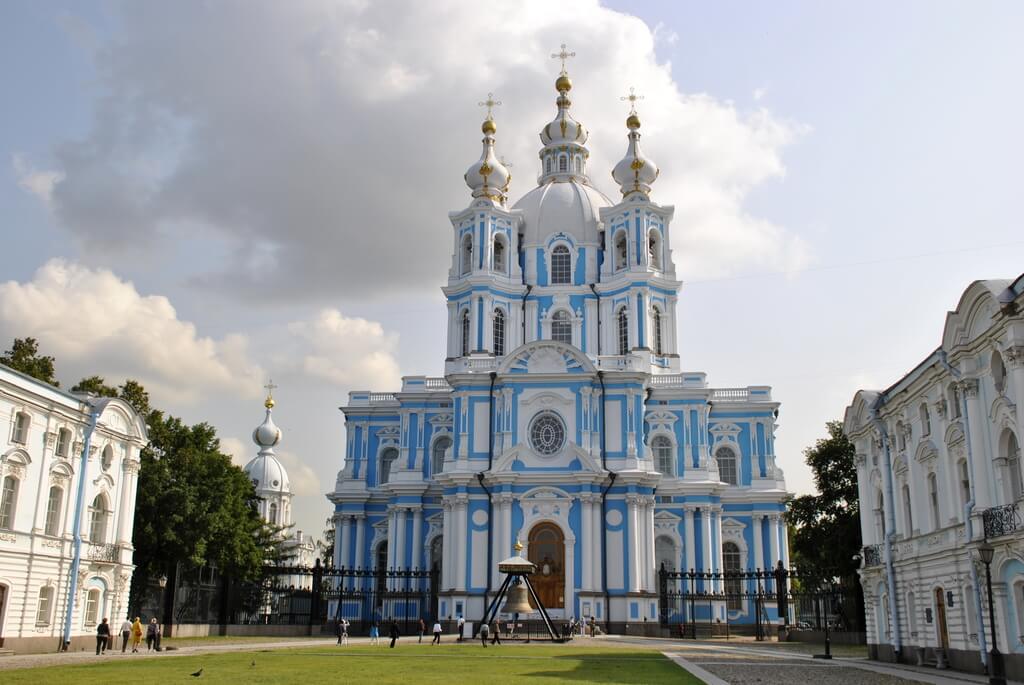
[
  {"x": 484, "y": 634},
  {"x": 102, "y": 636},
  {"x": 423, "y": 629},
  {"x": 344, "y": 631},
  {"x": 126, "y": 632},
  {"x": 136, "y": 634},
  {"x": 374, "y": 634},
  {"x": 437, "y": 633},
  {"x": 462, "y": 624},
  {"x": 496, "y": 640},
  {"x": 393, "y": 632},
  {"x": 152, "y": 635}
]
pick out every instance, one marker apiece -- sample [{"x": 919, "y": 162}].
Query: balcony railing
[
  {"x": 109, "y": 553},
  {"x": 1003, "y": 520},
  {"x": 873, "y": 555}
]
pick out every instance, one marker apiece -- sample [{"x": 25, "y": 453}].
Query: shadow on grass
[{"x": 632, "y": 670}]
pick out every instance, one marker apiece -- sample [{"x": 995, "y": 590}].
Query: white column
[
  {"x": 773, "y": 540},
  {"x": 392, "y": 524},
  {"x": 652, "y": 578},
  {"x": 343, "y": 543},
  {"x": 400, "y": 519},
  {"x": 447, "y": 540},
  {"x": 783, "y": 542},
  {"x": 756, "y": 520},
  {"x": 126, "y": 512},
  {"x": 707, "y": 561},
  {"x": 688, "y": 541},
  {"x": 360, "y": 562},
  {"x": 596, "y": 544},
  {"x": 417, "y": 539},
  {"x": 717, "y": 551},
  {"x": 982, "y": 485},
  {"x": 634, "y": 551},
  {"x": 586, "y": 524},
  {"x": 461, "y": 541}
]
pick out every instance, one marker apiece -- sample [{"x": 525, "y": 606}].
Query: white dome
[
  {"x": 268, "y": 474},
  {"x": 488, "y": 177},
  {"x": 561, "y": 207},
  {"x": 635, "y": 172},
  {"x": 267, "y": 434}
]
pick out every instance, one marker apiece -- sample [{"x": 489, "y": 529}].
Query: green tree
[
  {"x": 326, "y": 545},
  {"x": 24, "y": 356},
  {"x": 826, "y": 532},
  {"x": 96, "y": 385},
  {"x": 132, "y": 392}
]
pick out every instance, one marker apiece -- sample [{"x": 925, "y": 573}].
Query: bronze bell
[{"x": 516, "y": 601}]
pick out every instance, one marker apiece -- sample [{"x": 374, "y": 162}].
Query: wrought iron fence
[
  {"x": 872, "y": 555},
  {"x": 1002, "y": 520}
]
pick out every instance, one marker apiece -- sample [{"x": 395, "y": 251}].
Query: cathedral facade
[{"x": 564, "y": 419}]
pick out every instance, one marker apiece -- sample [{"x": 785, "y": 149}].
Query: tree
[
  {"x": 131, "y": 391},
  {"x": 24, "y": 357},
  {"x": 327, "y": 544},
  {"x": 95, "y": 385},
  {"x": 827, "y": 525}
]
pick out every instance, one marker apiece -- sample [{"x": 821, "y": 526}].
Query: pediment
[
  {"x": 388, "y": 434},
  {"x": 440, "y": 420},
  {"x": 665, "y": 520},
  {"x": 546, "y": 357},
  {"x": 521, "y": 459},
  {"x": 724, "y": 429},
  {"x": 661, "y": 417}
]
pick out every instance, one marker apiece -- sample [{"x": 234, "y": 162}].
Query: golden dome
[
  {"x": 269, "y": 404},
  {"x": 563, "y": 84},
  {"x": 488, "y": 126},
  {"x": 633, "y": 121}
]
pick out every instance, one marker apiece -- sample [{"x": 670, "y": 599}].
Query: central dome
[{"x": 568, "y": 207}]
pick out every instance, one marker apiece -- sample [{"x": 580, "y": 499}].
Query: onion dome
[
  {"x": 488, "y": 177},
  {"x": 563, "y": 128},
  {"x": 267, "y": 434},
  {"x": 635, "y": 173}
]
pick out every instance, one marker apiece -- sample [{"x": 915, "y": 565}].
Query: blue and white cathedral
[{"x": 563, "y": 419}]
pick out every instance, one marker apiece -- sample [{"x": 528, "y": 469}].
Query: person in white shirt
[
  {"x": 437, "y": 633},
  {"x": 126, "y": 632}
]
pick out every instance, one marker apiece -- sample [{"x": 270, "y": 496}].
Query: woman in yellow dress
[{"x": 136, "y": 634}]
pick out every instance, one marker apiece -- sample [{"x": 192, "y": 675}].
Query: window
[
  {"x": 1013, "y": 464},
  {"x": 577, "y": 164},
  {"x": 933, "y": 500},
  {"x": 901, "y": 437},
  {"x": 499, "y": 333},
  {"x": 954, "y": 401},
  {"x": 98, "y": 520},
  {"x": 467, "y": 255},
  {"x": 621, "y": 251},
  {"x": 8, "y": 498},
  {"x": 464, "y": 324},
  {"x": 547, "y": 433},
  {"x": 387, "y": 460},
  {"x": 499, "y": 255},
  {"x": 727, "y": 466},
  {"x": 547, "y": 165},
  {"x": 661, "y": 446},
  {"x": 43, "y": 607},
  {"x": 665, "y": 553},
  {"x": 561, "y": 328},
  {"x": 965, "y": 482},
  {"x": 926, "y": 421},
  {"x": 654, "y": 251},
  {"x": 879, "y": 517},
  {"x": 623, "y": 331},
  {"x": 908, "y": 511},
  {"x": 657, "y": 332},
  {"x": 441, "y": 446},
  {"x": 107, "y": 458},
  {"x": 21, "y": 423},
  {"x": 563, "y": 164},
  {"x": 561, "y": 267},
  {"x": 63, "y": 442},
  {"x": 92, "y": 606},
  {"x": 272, "y": 514},
  {"x": 733, "y": 582},
  {"x": 912, "y": 614},
  {"x": 998, "y": 372},
  {"x": 53, "y": 506}
]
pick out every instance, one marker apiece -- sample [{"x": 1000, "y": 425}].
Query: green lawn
[{"x": 408, "y": 663}]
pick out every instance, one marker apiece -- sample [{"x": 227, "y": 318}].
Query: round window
[
  {"x": 547, "y": 433},
  {"x": 275, "y": 483}
]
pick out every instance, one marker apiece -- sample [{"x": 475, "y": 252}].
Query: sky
[{"x": 203, "y": 196}]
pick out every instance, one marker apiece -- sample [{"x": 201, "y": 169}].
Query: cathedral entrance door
[{"x": 547, "y": 551}]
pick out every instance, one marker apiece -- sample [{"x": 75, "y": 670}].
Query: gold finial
[
  {"x": 632, "y": 121},
  {"x": 563, "y": 55},
  {"x": 518, "y": 547},
  {"x": 269, "y": 403}
]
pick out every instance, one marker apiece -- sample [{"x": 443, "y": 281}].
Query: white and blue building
[{"x": 564, "y": 418}]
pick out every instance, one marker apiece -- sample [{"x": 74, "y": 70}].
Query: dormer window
[{"x": 561, "y": 266}]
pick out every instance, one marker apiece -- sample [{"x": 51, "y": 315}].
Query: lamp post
[
  {"x": 996, "y": 671},
  {"x": 167, "y": 602}
]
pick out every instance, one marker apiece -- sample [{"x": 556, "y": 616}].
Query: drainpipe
[
  {"x": 97, "y": 406},
  {"x": 968, "y": 508},
  {"x": 890, "y": 524},
  {"x": 522, "y": 310},
  {"x": 593, "y": 288},
  {"x": 480, "y": 479}
]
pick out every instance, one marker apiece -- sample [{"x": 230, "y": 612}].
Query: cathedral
[{"x": 564, "y": 419}]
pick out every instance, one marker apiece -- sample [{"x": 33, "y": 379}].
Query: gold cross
[
  {"x": 632, "y": 97},
  {"x": 270, "y": 387},
  {"x": 490, "y": 103},
  {"x": 563, "y": 55}
]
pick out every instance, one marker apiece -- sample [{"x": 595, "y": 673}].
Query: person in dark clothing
[
  {"x": 423, "y": 629},
  {"x": 393, "y": 632},
  {"x": 497, "y": 629},
  {"x": 484, "y": 630},
  {"x": 126, "y": 633},
  {"x": 102, "y": 637},
  {"x": 153, "y": 635}
]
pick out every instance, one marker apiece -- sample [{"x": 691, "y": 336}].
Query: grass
[
  {"x": 409, "y": 663},
  {"x": 230, "y": 640}
]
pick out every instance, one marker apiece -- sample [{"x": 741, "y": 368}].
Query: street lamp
[
  {"x": 996, "y": 672},
  {"x": 162, "y": 582}
]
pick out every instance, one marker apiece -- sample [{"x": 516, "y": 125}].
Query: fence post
[
  {"x": 314, "y": 599},
  {"x": 782, "y": 593}
]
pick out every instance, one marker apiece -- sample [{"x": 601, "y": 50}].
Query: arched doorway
[
  {"x": 547, "y": 551},
  {"x": 940, "y": 618},
  {"x": 436, "y": 563}
]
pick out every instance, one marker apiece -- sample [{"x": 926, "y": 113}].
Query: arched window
[
  {"x": 441, "y": 446},
  {"x": 621, "y": 251},
  {"x": 912, "y": 614},
  {"x": 661, "y": 446},
  {"x": 561, "y": 328},
  {"x": 727, "y": 471},
  {"x": 561, "y": 265},
  {"x": 1011, "y": 450},
  {"x": 467, "y": 255},
  {"x": 998, "y": 372},
  {"x": 665, "y": 553},
  {"x": 654, "y": 251},
  {"x": 547, "y": 165},
  {"x": 63, "y": 442},
  {"x": 464, "y": 328},
  {"x": 98, "y": 514},
  {"x": 577, "y": 164},
  {"x": 733, "y": 582},
  {"x": 8, "y": 500},
  {"x": 657, "y": 332},
  {"x": 92, "y": 606},
  {"x": 44, "y": 607},
  {"x": 965, "y": 482},
  {"x": 623, "y": 321},
  {"x": 933, "y": 500},
  {"x": 499, "y": 255},
  {"x": 387, "y": 459},
  {"x": 908, "y": 511},
  {"x": 21, "y": 424},
  {"x": 54, "y": 504},
  {"x": 272, "y": 514},
  {"x": 499, "y": 333},
  {"x": 879, "y": 516},
  {"x": 108, "y": 458},
  {"x": 437, "y": 554},
  {"x": 954, "y": 401},
  {"x": 926, "y": 419},
  {"x": 563, "y": 164}
]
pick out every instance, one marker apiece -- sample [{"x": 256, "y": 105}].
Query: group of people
[
  {"x": 394, "y": 632},
  {"x": 130, "y": 631}
]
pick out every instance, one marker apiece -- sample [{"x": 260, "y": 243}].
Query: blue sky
[{"x": 841, "y": 173}]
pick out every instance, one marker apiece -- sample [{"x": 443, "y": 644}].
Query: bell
[{"x": 517, "y": 602}]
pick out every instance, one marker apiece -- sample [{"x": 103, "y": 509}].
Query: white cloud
[
  {"x": 321, "y": 142},
  {"x": 303, "y": 480},
  {"x": 95, "y": 323},
  {"x": 238, "y": 450},
  {"x": 350, "y": 352},
  {"x": 34, "y": 181}
]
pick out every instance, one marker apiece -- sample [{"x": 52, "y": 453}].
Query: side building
[
  {"x": 939, "y": 472},
  {"x": 43, "y": 434}
]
